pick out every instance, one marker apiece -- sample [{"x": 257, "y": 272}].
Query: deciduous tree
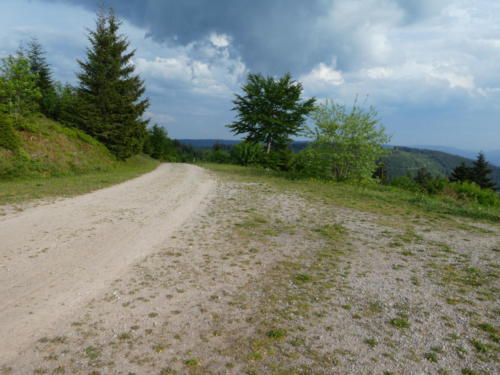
[
  {"x": 346, "y": 143},
  {"x": 270, "y": 110}
]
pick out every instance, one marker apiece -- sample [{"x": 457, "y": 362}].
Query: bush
[
  {"x": 405, "y": 182},
  {"x": 8, "y": 137},
  {"x": 278, "y": 160},
  {"x": 308, "y": 164},
  {"x": 218, "y": 156},
  {"x": 469, "y": 191},
  {"x": 247, "y": 153}
]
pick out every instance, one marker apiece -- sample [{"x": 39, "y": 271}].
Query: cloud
[{"x": 422, "y": 62}]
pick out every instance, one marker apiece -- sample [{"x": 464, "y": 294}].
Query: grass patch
[
  {"x": 371, "y": 197},
  {"x": 400, "y": 323},
  {"x": 28, "y": 188},
  {"x": 276, "y": 334}
]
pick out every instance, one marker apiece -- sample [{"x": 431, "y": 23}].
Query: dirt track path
[{"x": 55, "y": 257}]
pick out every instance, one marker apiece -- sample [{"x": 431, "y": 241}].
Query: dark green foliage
[
  {"x": 67, "y": 102},
  {"x": 247, "y": 153},
  {"x": 381, "y": 173},
  {"x": 481, "y": 173},
  {"x": 270, "y": 110},
  {"x": 423, "y": 176},
  {"x": 8, "y": 137},
  {"x": 278, "y": 160},
  {"x": 110, "y": 104},
  {"x": 218, "y": 156},
  {"x": 461, "y": 173},
  {"x": 158, "y": 145},
  {"x": 40, "y": 68}
]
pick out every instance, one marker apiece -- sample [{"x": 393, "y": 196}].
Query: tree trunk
[{"x": 268, "y": 148}]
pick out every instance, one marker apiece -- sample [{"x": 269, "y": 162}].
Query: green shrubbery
[
  {"x": 8, "y": 137},
  {"x": 466, "y": 191},
  {"x": 471, "y": 192}
]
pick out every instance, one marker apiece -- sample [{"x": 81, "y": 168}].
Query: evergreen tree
[
  {"x": 110, "y": 104},
  {"x": 481, "y": 171},
  {"x": 270, "y": 111},
  {"x": 461, "y": 173},
  {"x": 40, "y": 68}
]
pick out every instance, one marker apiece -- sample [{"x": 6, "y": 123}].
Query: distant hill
[
  {"x": 492, "y": 156},
  {"x": 208, "y": 143},
  {"x": 407, "y": 160}
]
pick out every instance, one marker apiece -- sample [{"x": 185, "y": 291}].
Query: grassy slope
[
  {"x": 58, "y": 161},
  {"x": 50, "y": 149},
  {"x": 374, "y": 198}
]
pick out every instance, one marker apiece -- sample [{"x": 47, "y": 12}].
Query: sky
[{"x": 431, "y": 68}]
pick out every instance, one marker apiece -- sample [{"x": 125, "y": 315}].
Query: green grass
[
  {"x": 23, "y": 189},
  {"x": 363, "y": 196}
]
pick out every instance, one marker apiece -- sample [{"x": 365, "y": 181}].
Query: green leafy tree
[
  {"x": 348, "y": 142},
  {"x": 480, "y": 173},
  {"x": 40, "y": 68},
  {"x": 158, "y": 145},
  {"x": 19, "y": 93},
  {"x": 111, "y": 107},
  {"x": 270, "y": 110}
]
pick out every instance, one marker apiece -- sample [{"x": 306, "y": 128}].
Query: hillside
[
  {"x": 405, "y": 160},
  {"x": 493, "y": 156},
  {"x": 50, "y": 149}
]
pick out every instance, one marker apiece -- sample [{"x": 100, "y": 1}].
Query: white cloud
[
  {"x": 220, "y": 40},
  {"x": 321, "y": 79}
]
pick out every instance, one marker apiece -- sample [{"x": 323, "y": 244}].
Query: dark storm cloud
[{"x": 271, "y": 36}]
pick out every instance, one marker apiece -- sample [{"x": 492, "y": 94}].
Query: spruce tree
[
  {"x": 110, "y": 104},
  {"x": 40, "y": 68},
  {"x": 480, "y": 173},
  {"x": 461, "y": 173}
]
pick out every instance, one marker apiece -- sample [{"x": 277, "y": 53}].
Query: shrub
[
  {"x": 247, "y": 153},
  {"x": 469, "y": 191},
  {"x": 218, "y": 156},
  {"x": 278, "y": 160},
  {"x": 309, "y": 164},
  {"x": 8, "y": 137},
  {"x": 405, "y": 182}
]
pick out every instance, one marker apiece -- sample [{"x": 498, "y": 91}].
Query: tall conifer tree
[
  {"x": 481, "y": 173},
  {"x": 110, "y": 96},
  {"x": 44, "y": 82}
]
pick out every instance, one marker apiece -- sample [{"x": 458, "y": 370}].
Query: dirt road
[{"x": 56, "y": 257}]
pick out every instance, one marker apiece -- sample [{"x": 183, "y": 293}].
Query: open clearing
[{"x": 185, "y": 271}]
